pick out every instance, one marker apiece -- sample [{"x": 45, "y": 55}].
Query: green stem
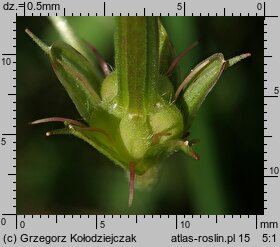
[{"x": 137, "y": 61}]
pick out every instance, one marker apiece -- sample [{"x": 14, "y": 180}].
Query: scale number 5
[
  {"x": 3, "y": 141},
  {"x": 179, "y": 6}
]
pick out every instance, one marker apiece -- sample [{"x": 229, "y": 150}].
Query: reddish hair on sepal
[
  {"x": 58, "y": 119},
  {"x": 179, "y": 57},
  {"x": 104, "y": 66},
  {"x": 131, "y": 183},
  {"x": 156, "y": 137},
  {"x": 190, "y": 77}
]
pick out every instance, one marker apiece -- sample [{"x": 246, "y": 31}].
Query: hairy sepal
[
  {"x": 108, "y": 148},
  {"x": 76, "y": 75},
  {"x": 206, "y": 75},
  {"x": 201, "y": 83}
]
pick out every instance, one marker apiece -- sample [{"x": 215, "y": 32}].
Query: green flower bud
[
  {"x": 132, "y": 114},
  {"x": 136, "y": 135},
  {"x": 168, "y": 121}
]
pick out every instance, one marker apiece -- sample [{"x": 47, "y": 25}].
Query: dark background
[{"x": 63, "y": 175}]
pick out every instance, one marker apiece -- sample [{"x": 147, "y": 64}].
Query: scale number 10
[
  {"x": 6, "y": 61},
  {"x": 185, "y": 224},
  {"x": 274, "y": 170}
]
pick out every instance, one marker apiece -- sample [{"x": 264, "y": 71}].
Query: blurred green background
[{"x": 63, "y": 175}]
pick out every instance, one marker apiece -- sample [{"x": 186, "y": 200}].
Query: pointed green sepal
[
  {"x": 70, "y": 37},
  {"x": 39, "y": 42},
  {"x": 90, "y": 135},
  {"x": 230, "y": 62},
  {"x": 186, "y": 148},
  {"x": 76, "y": 75},
  {"x": 199, "y": 83},
  {"x": 201, "y": 80}
]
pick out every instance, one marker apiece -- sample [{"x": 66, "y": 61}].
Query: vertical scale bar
[
  {"x": 264, "y": 111},
  {"x": 14, "y": 116},
  {"x": 270, "y": 198},
  {"x": 8, "y": 111}
]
